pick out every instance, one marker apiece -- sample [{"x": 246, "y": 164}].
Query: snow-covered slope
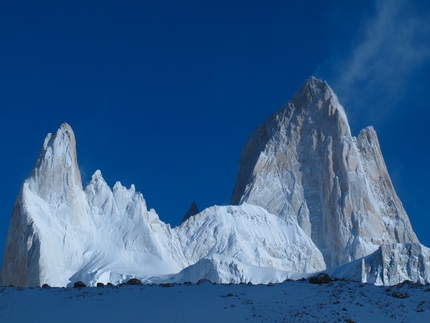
[
  {"x": 225, "y": 270},
  {"x": 303, "y": 163},
  {"x": 391, "y": 264},
  {"x": 251, "y": 235},
  {"x": 286, "y": 302}
]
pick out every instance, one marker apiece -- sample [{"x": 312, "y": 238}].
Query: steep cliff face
[
  {"x": 303, "y": 163},
  {"x": 48, "y": 213}
]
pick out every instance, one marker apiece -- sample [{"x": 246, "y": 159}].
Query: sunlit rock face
[{"x": 303, "y": 163}]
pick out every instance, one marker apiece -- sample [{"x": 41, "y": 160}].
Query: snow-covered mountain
[{"x": 311, "y": 197}]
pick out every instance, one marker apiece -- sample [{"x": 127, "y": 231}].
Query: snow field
[{"x": 290, "y": 301}]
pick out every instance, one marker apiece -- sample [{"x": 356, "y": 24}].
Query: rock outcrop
[{"x": 192, "y": 211}]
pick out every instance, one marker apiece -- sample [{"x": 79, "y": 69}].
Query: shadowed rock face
[
  {"x": 192, "y": 211},
  {"x": 303, "y": 163}
]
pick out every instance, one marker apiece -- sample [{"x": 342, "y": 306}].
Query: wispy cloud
[{"x": 392, "y": 46}]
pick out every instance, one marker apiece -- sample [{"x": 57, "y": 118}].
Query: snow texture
[{"x": 287, "y": 302}]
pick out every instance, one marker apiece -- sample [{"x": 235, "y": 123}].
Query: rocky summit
[
  {"x": 309, "y": 197},
  {"x": 304, "y": 165}
]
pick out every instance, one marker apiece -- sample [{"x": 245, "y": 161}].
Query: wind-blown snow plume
[{"x": 392, "y": 46}]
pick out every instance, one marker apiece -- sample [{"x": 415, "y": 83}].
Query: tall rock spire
[
  {"x": 303, "y": 163},
  {"x": 50, "y": 199},
  {"x": 57, "y": 164}
]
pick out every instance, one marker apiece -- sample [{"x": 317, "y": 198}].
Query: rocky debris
[
  {"x": 400, "y": 294},
  {"x": 134, "y": 281},
  {"x": 79, "y": 284},
  {"x": 99, "y": 284},
  {"x": 321, "y": 278},
  {"x": 46, "y": 286}
]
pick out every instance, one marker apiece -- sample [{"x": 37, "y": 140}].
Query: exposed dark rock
[
  {"x": 167, "y": 285},
  {"x": 46, "y": 286},
  {"x": 400, "y": 294},
  {"x": 192, "y": 211},
  {"x": 134, "y": 281},
  {"x": 321, "y": 278},
  {"x": 100, "y": 284},
  {"x": 79, "y": 284}
]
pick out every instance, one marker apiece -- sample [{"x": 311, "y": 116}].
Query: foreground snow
[{"x": 285, "y": 302}]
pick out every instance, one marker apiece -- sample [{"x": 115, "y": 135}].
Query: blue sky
[{"x": 164, "y": 94}]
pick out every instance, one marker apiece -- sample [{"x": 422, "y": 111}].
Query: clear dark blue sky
[{"x": 164, "y": 94}]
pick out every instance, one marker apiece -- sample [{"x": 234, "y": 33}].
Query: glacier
[{"x": 309, "y": 197}]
